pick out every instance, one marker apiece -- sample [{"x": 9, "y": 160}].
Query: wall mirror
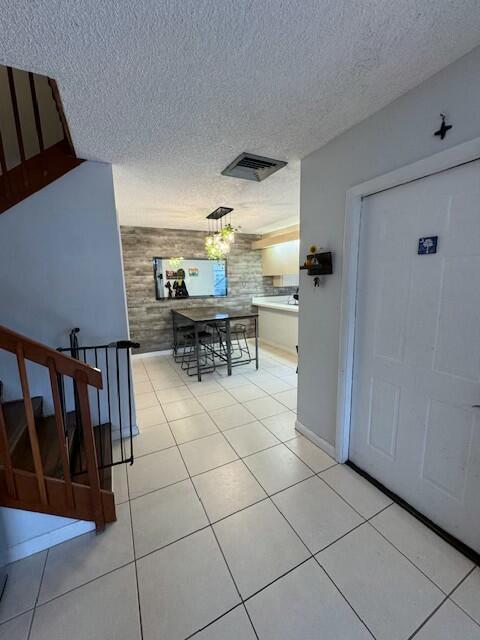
[{"x": 180, "y": 278}]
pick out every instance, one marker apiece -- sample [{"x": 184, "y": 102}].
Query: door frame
[{"x": 442, "y": 161}]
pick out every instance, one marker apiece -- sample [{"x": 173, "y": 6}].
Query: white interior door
[{"x": 417, "y": 348}]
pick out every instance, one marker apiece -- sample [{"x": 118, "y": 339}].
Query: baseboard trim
[
  {"x": 316, "y": 439},
  {"x": 151, "y": 354},
  {"x": 50, "y": 539},
  {"x": 277, "y": 345}
]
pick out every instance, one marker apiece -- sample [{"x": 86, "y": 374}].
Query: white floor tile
[
  {"x": 166, "y": 515},
  {"x": 264, "y": 407},
  {"x": 389, "y": 594},
  {"x": 193, "y": 427},
  {"x": 216, "y": 400},
  {"x": 281, "y": 370},
  {"x": 204, "y": 388},
  {"x": 282, "y": 425},
  {"x": 18, "y": 628},
  {"x": 150, "y": 417},
  {"x": 227, "y": 489},
  {"x": 233, "y": 626},
  {"x": 269, "y": 383},
  {"x": 155, "y": 471},
  {"x": 440, "y": 561},
  {"x": 250, "y": 438},
  {"x": 312, "y": 455},
  {"x": 232, "y": 382},
  {"x": 167, "y": 382},
  {"x": 82, "y": 559},
  {"x": 182, "y": 408},
  {"x": 145, "y": 400},
  {"x": 183, "y": 587},
  {"x": 230, "y": 417},
  {"x": 23, "y": 582},
  {"x": 288, "y": 398},
  {"x": 467, "y": 596},
  {"x": 317, "y": 513},
  {"x": 304, "y": 605},
  {"x": 143, "y": 386},
  {"x": 171, "y": 395},
  {"x": 449, "y": 623},
  {"x": 152, "y": 439},
  {"x": 277, "y": 468},
  {"x": 292, "y": 379},
  {"x": 358, "y": 492},
  {"x": 207, "y": 453},
  {"x": 247, "y": 392},
  {"x": 119, "y": 483},
  {"x": 259, "y": 546},
  {"x": 106, "y": 608}
]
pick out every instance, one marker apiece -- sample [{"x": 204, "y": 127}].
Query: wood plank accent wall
[{"x": 150, "y": 319}]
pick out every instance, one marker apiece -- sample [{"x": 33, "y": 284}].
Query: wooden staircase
[
  {"x": 35, "y": 143},
  {"x": 39, "y": 454}
]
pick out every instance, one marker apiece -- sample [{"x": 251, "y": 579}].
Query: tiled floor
[{"x": 232, "y": 526}]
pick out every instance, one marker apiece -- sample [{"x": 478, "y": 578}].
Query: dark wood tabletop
[{"x": 212, "y": 314}]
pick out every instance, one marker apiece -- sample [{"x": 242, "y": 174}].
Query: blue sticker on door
[{"x": 427, "y": 245}]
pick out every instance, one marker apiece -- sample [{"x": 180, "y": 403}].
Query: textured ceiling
[{"x": 170, "y": 91}]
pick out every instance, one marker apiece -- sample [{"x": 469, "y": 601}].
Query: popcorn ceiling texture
[
  {"x": 170, "y": 91},
  {"x": 150, "y": 320}
]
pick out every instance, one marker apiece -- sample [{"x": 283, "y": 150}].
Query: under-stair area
[
  {"x": 35, "y": 143},
  {"x": 57, "y": 449}
]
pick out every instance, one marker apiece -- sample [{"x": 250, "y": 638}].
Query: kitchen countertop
[{"x": 279, "y": 303}]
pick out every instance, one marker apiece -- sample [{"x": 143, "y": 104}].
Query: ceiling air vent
[{"x": 251, "y": 167}]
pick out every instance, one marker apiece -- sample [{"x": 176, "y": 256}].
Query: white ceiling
[{"x": 170, "y": 91}]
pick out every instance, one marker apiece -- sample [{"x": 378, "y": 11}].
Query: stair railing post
[
  {"x": 5, "y": 457},
  {"x": 90, "y": 451},
  {"x": 18, "y": 126},
  {"x": 32, "y": 430},
  {"x": 62, "y": 444}
]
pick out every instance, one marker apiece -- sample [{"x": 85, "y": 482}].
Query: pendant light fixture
[{"x": 221, "y": 235}]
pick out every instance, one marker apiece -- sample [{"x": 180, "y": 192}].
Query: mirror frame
[{"x": 166, "y": 298}]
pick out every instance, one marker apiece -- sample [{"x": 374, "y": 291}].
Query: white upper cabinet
[{"x": 281, "y": 259}]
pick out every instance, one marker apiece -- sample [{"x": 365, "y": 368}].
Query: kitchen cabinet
[{"x": 281, "y": 259}]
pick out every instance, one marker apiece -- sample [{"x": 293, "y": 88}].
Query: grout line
[
  {"x": 270, "y": 496},
  {"x": 135, "y": 561},
  {"x": 79, "y": 586},
  {"x": 447, "y": 597},
  {"x": 407, "y": 558},
  {"x": 343, "y": 596},
  {"x": 38, "y": 595},
  {"x": 310, "y": 556},
  {"x": 215, "y": 535}
]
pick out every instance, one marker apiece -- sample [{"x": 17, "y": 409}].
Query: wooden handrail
[
  {"x": 82, "y": 375},
  {"x": 41, "y": 354}
]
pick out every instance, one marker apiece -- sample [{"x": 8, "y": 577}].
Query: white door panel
[{"x": 417, "y": 348}]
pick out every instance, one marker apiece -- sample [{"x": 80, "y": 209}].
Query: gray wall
[
  {"x": 60, "y": 267},
  {"x": 150, "y": 319},
  {"x": 394, "y": 137}
]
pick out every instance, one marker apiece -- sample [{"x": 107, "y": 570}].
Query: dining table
[{"x": 199, "y": 316}]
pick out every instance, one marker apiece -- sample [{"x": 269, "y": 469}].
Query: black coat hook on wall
[{"x": 442, "y": 132}]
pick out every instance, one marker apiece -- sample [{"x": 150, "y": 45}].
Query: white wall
[
  {"x": 394, "y": 137},
  {"x": 60, "y": 267}
]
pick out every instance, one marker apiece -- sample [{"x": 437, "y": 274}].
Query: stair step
[
  {"x": 49, "y": 447},
  {"x": 102, "y": 444},
  {"x": 16, "y": 421}
]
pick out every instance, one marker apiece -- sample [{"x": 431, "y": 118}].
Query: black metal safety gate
[{"x": 111, "y": 406}]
